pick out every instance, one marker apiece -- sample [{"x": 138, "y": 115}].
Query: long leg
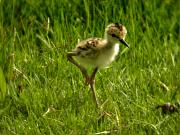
[
  {"x": 92, "y": 86},
  {"x": 94, "y": 74},
  {"x": 82, "y": 69},
  {"x": 89, "y": 80}
]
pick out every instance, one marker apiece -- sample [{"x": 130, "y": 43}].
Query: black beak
[{"x": 123, "y": 42}]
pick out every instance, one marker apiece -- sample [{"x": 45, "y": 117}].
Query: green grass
[{"x": 34, "y": 39}]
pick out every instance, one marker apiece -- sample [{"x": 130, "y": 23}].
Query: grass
[{"x": 34, "y": 39}]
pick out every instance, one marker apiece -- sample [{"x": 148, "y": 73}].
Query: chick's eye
[{"x": 113, "y": 35}]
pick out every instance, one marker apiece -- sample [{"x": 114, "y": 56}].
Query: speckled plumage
[{"x": 98, "y": 52}]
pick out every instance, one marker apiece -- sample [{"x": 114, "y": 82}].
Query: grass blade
[{"x": 2, "y": 84}]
